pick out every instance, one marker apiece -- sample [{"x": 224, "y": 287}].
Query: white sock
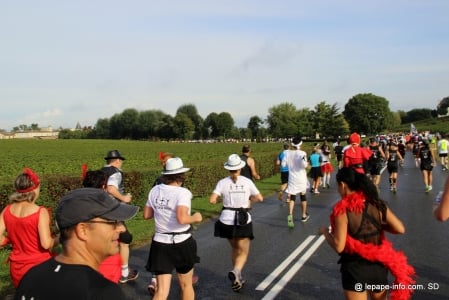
[{"x": 125, "y": 270}]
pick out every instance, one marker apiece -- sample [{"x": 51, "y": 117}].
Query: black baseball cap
[{"x": 84, "y": 204}]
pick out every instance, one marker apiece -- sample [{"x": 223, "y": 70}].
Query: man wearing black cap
[
  {"x": 115, "y": 188},
  {"x": 113, "y": 170},
  {"x": 89, "y": 221}
]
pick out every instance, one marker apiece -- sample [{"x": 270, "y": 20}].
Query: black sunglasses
[{"x": 114, "y": 223}]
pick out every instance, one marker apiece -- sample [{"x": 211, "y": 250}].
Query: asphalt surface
[{"x": 296, "y": 264}]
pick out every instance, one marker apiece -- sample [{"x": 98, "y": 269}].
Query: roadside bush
[{"x": 201, "y": 181}]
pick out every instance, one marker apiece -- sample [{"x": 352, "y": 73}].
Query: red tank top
[{"x": 23, "y": 235}]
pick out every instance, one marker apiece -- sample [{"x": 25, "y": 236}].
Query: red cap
[{"x": 354, "y": 138}]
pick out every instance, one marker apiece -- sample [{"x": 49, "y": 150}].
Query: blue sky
[{"x": 63, "y": 62}]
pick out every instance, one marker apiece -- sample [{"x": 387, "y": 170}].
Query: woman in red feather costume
[{"x": 358, "y": 223}]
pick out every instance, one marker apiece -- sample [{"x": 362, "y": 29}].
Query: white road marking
[
  {"x": 269, "y": 279},
  {"x": 276, "y": 289}
]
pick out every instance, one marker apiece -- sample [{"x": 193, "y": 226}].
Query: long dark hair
[
  {"x": 95, "y": 179},
  {"x": 360, "y": 182}
]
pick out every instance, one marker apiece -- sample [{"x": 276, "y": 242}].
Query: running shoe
[
  {"x": 290, "y": 221},
  {"x": 429, "y": 187},
  {"x": 152, "y": 286},
  {"x": 306, "y": 218},
  {"x": 236, "y": 284},
  {"x": 132, "y": 275},
  {"x": 316, "y": 191}
]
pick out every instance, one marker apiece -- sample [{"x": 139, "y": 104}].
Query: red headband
[{"x": 34, "y": 179}]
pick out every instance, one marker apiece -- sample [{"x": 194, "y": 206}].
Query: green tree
[
  {"x": 282, "y": 120},
  {"x": 327, "y": 120},
  {"x": 225, "y": 124},
  {"x": 124, "y": 125},
  {"x": 254, "y": 125},
  {"x": 304, "y": 123},
  {"x": 442, "y": 107},
  {"x": 183, "y": 127},
  {"x": 367, "y": 113},
  {"x": 149, "y": 123},
  {"x": 417, "y": 114},
  {"x": 192, "y": 113},
  {"x": 102, "y": 129},
  {"x": 166, "y": 131},
  {"x": 211, "y": 123},
  {"x": 245, "y": 133},
  {"x": 396, "y": 120},
  {"x": 69, "y": 134}
]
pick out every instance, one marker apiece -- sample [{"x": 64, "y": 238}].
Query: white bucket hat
[
  {"x": 234, "y": 163},
  {"x": 174, "y": 166}
]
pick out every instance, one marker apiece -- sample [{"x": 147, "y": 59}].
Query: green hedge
[{"x": 201, "y": 181}]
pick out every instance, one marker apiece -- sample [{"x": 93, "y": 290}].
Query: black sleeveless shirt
[
  {"x": 109, "y": 170},
  {"x": 246, "y": 171}
]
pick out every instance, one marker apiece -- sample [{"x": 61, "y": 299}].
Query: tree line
[{"x": 364, "y": 113}]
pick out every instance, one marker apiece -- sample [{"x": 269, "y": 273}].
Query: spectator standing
[
  {"x": 427, "y": 161},
  {"x": 297, "y": 180},
  {"x": 115, "y": 187},
  {"x": 358, "y": 224},
  {"x": 89, "y": 221},
  {"x": 235, "y": 222},
  {"x": 281, "y": 161},
  {"x": 172, "y": 246},
  {"x": 326, "y": 166},
  {"x": 443, "y": 146},
  {"x": 355, "y": 156},
  {"x": 27, "y": 226},
  {"x": 249, "y": 171}
]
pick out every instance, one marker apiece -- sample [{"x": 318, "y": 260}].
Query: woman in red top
[
  {"x": 26, "y": 226},
  {"x": 355, "y": 156}
]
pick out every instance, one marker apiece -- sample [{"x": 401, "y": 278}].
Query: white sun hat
[
  {"x": 174, "y": 166},
  {"x": 234, "y": 163}
]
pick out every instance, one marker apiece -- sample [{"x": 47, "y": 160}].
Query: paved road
[{"x": 297, "y": 264}]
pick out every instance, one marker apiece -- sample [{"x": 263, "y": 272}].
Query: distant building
[
  {"x": 43, "y": 133},
  {"x": 6, "y": 135}
]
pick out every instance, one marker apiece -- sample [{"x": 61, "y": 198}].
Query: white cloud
[{"x": 94, "y": 59}]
